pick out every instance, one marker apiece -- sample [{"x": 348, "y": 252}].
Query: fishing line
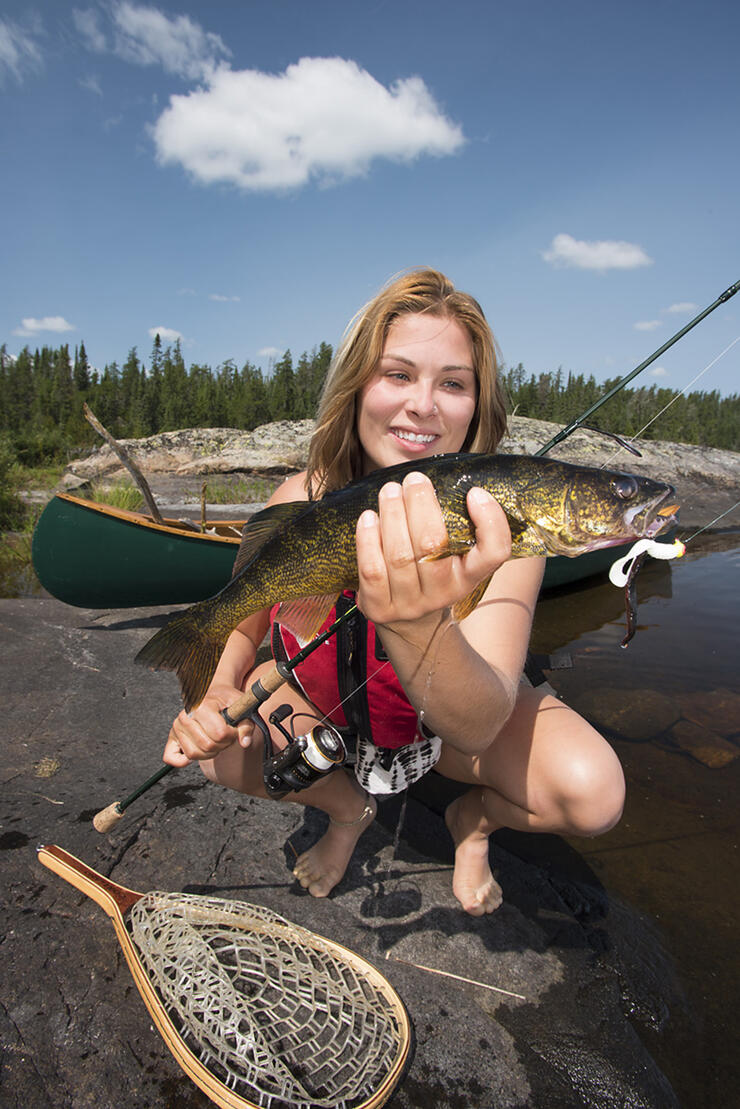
[
  {"x": 714, "y": 521},
  {"x": 673, "y": 400}
]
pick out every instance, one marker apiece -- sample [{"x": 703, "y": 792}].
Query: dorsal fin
[{"x": 263, "y": 526}]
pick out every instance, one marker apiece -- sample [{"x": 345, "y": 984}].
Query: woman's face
[{"x": 423, "y": 394}]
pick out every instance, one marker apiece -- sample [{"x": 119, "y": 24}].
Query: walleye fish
[{"x": 302, "y": 553}]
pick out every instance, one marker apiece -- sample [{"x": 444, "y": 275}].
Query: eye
[{"x": 625, "y": 488}]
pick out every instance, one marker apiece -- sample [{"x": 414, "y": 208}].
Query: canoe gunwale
[{"x": 144, "y": 520}]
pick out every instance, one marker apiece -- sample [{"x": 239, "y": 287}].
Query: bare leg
[
  {"x": 546, "y": 771},
  {"x": 321, "y": 867},
  {"x": 473, "y": 884},
  {"x": 349, "y": 809}
]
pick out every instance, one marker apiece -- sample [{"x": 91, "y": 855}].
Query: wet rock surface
[
  {"x": 84, "y": 726},
  {"x": 705, "y": 477}
]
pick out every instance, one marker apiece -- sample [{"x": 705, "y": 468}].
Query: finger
[
  {"x": 173, "y": 754},
  {"x": 424, "y": 515},
  {"x": 372, "y": 571},
  {"x": 246, "y": 735},
  {"x": 398, "y": 547},
  {"x": 492, "y": 534},
  {"x": 202, "y": 738}
]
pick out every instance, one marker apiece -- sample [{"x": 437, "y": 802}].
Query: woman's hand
[
  {"x": 203, "y": 733},
  {"x": 396, "y": 584}
]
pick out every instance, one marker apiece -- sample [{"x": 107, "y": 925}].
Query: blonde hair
[{"x": 335, "y": 454}]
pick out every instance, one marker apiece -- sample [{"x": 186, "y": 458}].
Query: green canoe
[{"x": 95, "y": 556}]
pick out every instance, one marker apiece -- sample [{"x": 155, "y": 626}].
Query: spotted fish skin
[{"x": 306, "y": 549}]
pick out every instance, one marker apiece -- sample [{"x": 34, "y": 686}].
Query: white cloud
[
  {"x": 269, "y": 352},
  {"x": 19, "y": 53},
  {"x": 166, "y": 334},
  {"x": 658, "y": 371},
  {"x": 647, "y": 325},
  {"x": 146, "y": 36},
  {"x": 602, "y": 254},
  {"x": 223, "y": 299},
  {"x": 323, "y": 119},
  {"x": 87, "y": 23},
  {"x": 91, "y": 83},
  {"x": 683, "y": 307},
  {"x": 32, "y": 326}
]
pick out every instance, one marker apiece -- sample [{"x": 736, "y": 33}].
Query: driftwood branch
[{"x": 129, "y": 463}]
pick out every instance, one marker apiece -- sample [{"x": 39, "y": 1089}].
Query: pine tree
[{"x": 281, "y": 389}]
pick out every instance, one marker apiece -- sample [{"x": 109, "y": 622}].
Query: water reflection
[
  {"x": 687, "y": 616},
  {"x": 674, "y": 855}
]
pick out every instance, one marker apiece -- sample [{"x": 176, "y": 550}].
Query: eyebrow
[{"x": 410, "y": 362}]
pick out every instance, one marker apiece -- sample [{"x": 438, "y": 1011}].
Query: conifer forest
[{"x": 42, "y": 393}]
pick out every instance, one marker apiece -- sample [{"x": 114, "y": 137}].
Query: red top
[{"x": 394, "y": 722}]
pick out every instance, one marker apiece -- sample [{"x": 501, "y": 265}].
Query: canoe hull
[{"x": 93, "y": 556}]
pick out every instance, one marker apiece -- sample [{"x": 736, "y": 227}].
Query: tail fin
[{"x": 183, "y": 646}]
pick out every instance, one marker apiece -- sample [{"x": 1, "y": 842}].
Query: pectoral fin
[
  {"x": 464, "y": 607},
  {"x": 305, "y": 616}
]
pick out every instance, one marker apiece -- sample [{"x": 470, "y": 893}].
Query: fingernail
[
  {"x": 367, "y": 519},
  {"x": 391, "y": 489},
  {"x": 414, "y": 478},
  {"x": 480, "y": 496}
]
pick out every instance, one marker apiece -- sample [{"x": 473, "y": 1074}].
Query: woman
[{"x": 416, "y": 376}]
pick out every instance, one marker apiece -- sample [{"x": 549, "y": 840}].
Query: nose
[{"x": 421, "y": 400}]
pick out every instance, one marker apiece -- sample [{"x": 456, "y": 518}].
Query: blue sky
[{"x": 246, "y": 175}]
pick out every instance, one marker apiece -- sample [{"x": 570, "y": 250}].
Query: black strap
[{"x": 352, "y": 668}]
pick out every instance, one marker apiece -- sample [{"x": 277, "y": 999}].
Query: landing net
[{"x": 278, "y": 1014}]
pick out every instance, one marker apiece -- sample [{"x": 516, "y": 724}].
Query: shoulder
[{"x": 292, "y": 489}]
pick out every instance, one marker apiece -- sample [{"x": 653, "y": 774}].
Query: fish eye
[{"x": 625, "y": 488}]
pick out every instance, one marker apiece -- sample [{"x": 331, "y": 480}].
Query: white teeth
[{"x": 413, "y": 437}]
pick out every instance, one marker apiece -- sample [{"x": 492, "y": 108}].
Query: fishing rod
[
  {"x": 580, "y": 420},
  {"x": 279, "y": 770}
]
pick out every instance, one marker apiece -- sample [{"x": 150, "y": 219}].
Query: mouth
[
  {"x": 666, "y": 517},
  {"x": 414, "y": 439},
  {"x": 659, "y": 516}
]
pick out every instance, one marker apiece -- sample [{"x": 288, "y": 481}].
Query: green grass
[
  {"x": 17, "y": 578},
  {"x": 122, "y": 494},
  {"x": 250, "y": 489}
]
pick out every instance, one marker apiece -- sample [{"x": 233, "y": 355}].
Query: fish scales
[{"x": 303, "y": 553}]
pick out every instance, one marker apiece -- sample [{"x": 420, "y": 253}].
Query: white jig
[{"x": 620, "y": 570}]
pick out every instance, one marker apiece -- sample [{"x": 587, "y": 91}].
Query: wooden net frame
[{"x": 258, "y": 1011}]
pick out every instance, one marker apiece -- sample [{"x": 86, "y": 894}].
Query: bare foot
[
  {"x": 321, "y": 867},
  {"x": 473, "y": 884}
]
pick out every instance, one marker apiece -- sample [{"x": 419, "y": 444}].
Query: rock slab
[{"x": 84, "y": 726}]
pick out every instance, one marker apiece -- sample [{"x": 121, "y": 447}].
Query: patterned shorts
[{"x": 379, "y": 770}]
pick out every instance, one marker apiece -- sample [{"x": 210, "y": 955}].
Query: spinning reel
[{"x": 307, "y": 757}]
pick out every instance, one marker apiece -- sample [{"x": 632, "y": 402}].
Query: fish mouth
[{"x": 656, "y": 517}]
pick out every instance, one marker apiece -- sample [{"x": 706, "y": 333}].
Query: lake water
[{"x": 674, "y": 856}]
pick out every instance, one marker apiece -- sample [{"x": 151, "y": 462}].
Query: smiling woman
[
  {"x": 431, "y": 672},
  {"x": 423, "y": 394}
]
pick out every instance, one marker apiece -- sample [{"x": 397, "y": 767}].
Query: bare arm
[
  {"x": 464, "y": 677},
  {"x": 202, "y": 733}
]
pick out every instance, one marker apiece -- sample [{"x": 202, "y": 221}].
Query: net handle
[{"x": 110, "y": 896}]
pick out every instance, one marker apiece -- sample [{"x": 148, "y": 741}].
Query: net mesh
[{"x": 276, "y": 1013}]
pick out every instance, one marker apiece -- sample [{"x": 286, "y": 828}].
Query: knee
[{"x": 592, "y": 796}]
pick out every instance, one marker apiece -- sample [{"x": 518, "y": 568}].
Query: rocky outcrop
[
  {"x": 706, "y": 478},
  {"x": 276, "y": 448}
]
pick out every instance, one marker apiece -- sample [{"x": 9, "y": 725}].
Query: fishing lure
[{"x": 624, "y": 572}]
